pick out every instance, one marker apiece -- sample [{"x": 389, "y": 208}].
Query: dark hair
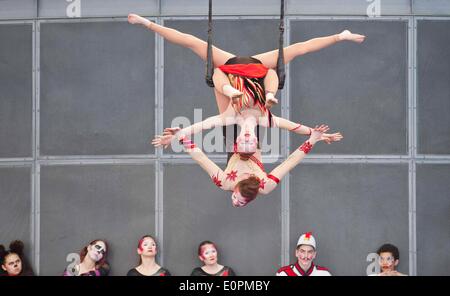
[
  {"x": 16, "y": 247},
  {"x": 142, "y": 240},
  {"x": 203, "y": 243},
  {"x": 389, "y": 248},
  {"x": 102, "y": 263},
  {"x": 249, "y": 187}
]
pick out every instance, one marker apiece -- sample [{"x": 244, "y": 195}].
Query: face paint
[
  {"x": 238, "y": 200},
  {"x": 387, "y": 261},
  {"x": 147, "y": 246},
  {"x": 97, "y": 251},
  {"x": 12, "y": 264},
  {"x": 246, "y": 142},
  {"x": 209, "y": 254},
  {"x": 305, "y": 255}
]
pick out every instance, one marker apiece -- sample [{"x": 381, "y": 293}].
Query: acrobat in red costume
[{"x": 245, "y": 183}]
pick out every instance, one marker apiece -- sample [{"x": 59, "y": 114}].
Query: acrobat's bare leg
[
  {"x": 198, "y": 46},
  {"x": 222, "y": 101},
  {"x": 269, "y": 59}
]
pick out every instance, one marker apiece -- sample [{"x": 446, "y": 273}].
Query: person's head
[
  {"x": 247, "y": 141},
  {"x": 207, "y": 253},
  {"x": 11, "y": 260},
  {"x": 245, "y": 191},
  {"x": 306, "y": 250},
  {"x": 97, "y": 251},
  {"x": 147, "y": 247},
  {"x": 389, "y": 257}
]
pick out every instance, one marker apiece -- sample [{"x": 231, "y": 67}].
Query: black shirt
[
  {"x": 161, "y": 272},
  {"x": 225, "y": 271}
]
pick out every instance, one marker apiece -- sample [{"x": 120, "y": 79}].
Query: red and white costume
[{"x": 296, "y": 270}]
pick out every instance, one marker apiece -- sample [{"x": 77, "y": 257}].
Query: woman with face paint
[
  {"x": 92, "y": 260},
  {"x": 207, "y": 253},
  {"x": 13, "y": 262},
  {"x": 147, "y": 250}
]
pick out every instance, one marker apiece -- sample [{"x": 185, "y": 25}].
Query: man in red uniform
[{"x": 305, "y": 253}]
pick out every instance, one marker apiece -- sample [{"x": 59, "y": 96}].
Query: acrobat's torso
[{"x": 238, "y": 167}]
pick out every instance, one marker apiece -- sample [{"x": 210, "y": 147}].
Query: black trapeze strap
[
  {"x": 280, "y": 62},
  {"x": 209, "y": 60}
]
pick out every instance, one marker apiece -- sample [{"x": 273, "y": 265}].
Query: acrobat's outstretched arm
[
  {"x": 175, "y": 132},
  {"x": 294, "y": 159},
  {"x": 301, "y": 129},
  {"x": 215, "y": 172}
]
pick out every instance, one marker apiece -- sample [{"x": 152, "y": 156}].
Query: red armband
[
  {"x": 188, "y": 144},
  {"x": 273, "y": 178},
  {"x": 306, "y": 147}
]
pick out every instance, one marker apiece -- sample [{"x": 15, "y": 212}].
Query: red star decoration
[
  {"x": 262, "y": 183},
  {"x": 216, "y": 180},
  {"x": 232, "y": 175},
  {"x": 308, "y": 235}
]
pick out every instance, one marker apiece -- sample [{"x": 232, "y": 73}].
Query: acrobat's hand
[
  {"x": 317, "y": 133},
  {"x": 347, "y": 35},
  {"x": 171, "y": 130},
  {"x": 162, "y": 141},
  {"x": 329, "y": 138},
  {"x": 137, "y": 19},
  {"x": 270, "y": 100}
]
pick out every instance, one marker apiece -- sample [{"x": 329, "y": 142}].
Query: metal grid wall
[{"x": 159, "y": 159}]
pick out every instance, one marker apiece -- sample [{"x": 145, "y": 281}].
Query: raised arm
[
  {"x": 299, "y": 129},
  {"x": 209, "y": 123},
  {"x": 214, "y": 171},
  {"x": 294, "y": 159},
  {"x": 170, "y": 133}
]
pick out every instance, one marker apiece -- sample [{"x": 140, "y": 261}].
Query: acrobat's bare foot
[
  {"x": 270, "y": 101},
  {"x": 135, "y": 19},
  {"x": 349, "y": 36}
]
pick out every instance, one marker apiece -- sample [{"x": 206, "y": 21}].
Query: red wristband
[
  {"x": 188, "y": 144},
  {"x": 306, "y": 147}
]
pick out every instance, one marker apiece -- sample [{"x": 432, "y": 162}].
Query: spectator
[
  {"x": 92, "y": 260},
  {"x": 208, "y": 254},
  {"x": 388, "y": 260},
  {"x": 305, "y": 253},
  {"x": 13, "y": 261},
  {"x": 147, "y": 250}
]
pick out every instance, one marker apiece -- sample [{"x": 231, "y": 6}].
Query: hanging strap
[
  {"x": 280, "y": 62},
  {"x": 209, "y": 60}
]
